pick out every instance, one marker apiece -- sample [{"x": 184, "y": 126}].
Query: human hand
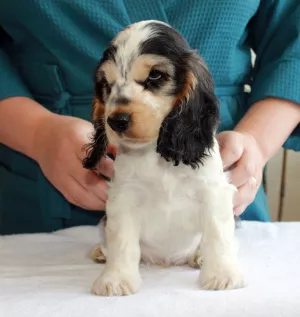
[
  {"x": 241, "y": 155},
  {"x": 59, "y": 150}
]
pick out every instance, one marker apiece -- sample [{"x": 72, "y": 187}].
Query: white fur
[
  {"x": 159, "y": 212},
  {"x": 129, "y": 41}
]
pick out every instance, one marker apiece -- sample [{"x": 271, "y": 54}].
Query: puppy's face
[
  {"x": 135, "y": 97},
  {"x": 148, "y": 86},
  {"x": 138, "y": 82}
]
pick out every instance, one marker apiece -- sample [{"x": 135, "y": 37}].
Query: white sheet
[{"x": 50, "y": 275}]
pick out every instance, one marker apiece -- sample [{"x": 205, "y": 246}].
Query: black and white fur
[{"x": 169, "y": 194}]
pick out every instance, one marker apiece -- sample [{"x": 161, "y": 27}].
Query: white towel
[{"x": 45, "y": 275}]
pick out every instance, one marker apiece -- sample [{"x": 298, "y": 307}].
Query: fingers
[
  {"x": 112, "y": 149},
  {"x": 246, "y": 194},
  {"x": 231, "y": 148},
  {"x": 75, "y": 201},
  {"x": 239, "y": 209},
  {"x": 242, "y": 159},
  {"x": 86, "y": 189},
  {"x": 106, "y": 164},
  {"x": 92, "y": 183},
  {"x": 81, "y": 155},
  {"x": 76, "y": 194},
  {"x": 243, "y": 170},
  {"x": 106, "y": 167}
]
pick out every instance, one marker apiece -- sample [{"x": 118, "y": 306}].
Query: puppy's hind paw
[
  {"x": 196, "y": 260},
  {"x": 97, "y": 255}
]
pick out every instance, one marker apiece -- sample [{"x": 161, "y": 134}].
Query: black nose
[{"x": 119, "y": 122}]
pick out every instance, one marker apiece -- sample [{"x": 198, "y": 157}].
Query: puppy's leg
[
  {"x": 195, "y": 261},
  {"x": 97, "y": 254},
  {"x": 220, "y": 268},
  {"x": 121, "y": 272}
]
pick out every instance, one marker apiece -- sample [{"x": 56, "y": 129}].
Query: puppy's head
[{"x": 150, "y": 87}]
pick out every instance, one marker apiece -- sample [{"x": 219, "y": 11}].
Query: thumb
[
  {"x": 231, "y": 148},
  {"x": 112, "y": 149}
]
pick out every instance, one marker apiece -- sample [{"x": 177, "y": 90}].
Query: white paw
[
  {"x": 115, "y": 283},
  {"x": 97, "y": 254},
  {"x": 222, "y": 279},
  {"x": 196, "y": 260}
]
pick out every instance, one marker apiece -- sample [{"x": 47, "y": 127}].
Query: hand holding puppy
[
  {"x": 60, "y": 150},
  {"x": 241, "y": 155}
]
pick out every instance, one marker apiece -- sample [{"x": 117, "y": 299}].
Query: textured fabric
[
  {"x": 49, "y": 50},
  {"x": 49, "y": 275}
]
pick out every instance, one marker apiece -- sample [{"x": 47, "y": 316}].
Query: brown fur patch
[
  {"x": 190, "y": 85},
  {"x": 144, "y": 64},
  {"x": 98, "y": 109},
  {"x": 145, "y": 123}
]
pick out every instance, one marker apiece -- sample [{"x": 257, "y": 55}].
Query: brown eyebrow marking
[
  {"x": 147, "y": 62},
  {"x": 110, "y": 71}
]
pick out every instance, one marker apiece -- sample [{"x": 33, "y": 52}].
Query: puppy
[{"x": 154, "y": 99}]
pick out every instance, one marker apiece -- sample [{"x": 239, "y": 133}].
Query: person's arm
[
  {"x": 55, "y": 142},
  {"x": 274, "y": 101},
  {"x": 270, "y": 122},
  {"x": 275, "y": 93},
  {"x": 19, "y": 114},
  {"x": 256, "y": 138},
  {"x": 20, "y": 120},
  {"x": 274, "y": 35}
]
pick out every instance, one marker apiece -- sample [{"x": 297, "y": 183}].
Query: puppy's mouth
[
  {"x": 134, "y": 143},
  {"x": 122, "y": 130}
]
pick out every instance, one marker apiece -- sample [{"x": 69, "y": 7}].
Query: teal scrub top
[{"x": 49, "y": 50}]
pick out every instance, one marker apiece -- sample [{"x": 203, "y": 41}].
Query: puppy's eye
[
  {"x": 155, "y": 80},
  {"x": 155, "y": 75},
  {"x": 108, "y": 87}
]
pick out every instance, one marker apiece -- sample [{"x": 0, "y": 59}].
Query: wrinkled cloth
[{"x": 45, "y": 275}]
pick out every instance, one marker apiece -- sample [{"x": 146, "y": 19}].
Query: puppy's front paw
[
  {"x": 222, "y": 279},
  {"x": 115, "y": 283}
]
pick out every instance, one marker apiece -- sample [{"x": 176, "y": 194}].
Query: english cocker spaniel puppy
[{"x": 169, "y": 200}]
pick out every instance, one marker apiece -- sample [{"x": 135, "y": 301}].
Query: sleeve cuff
[
  {"x": 11, "y": 85},
  {"x": 278, "y": 80}
]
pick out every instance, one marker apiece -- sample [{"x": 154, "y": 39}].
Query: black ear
[
  {"x": 187, "y": 133},
  {"x": 97, "y": 148}
]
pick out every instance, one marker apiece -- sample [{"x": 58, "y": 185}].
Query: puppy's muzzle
[{"x": 119, "y": 122}]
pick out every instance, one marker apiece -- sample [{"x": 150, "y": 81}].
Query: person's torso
[{"x": 57, "y": 44}]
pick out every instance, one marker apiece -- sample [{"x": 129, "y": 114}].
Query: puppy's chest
[{"x": 164, "y": 198}]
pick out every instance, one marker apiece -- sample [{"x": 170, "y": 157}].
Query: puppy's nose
[{"x": 119, "y": 122}]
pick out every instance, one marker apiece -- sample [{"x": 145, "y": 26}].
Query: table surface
[{"x": 51, "y": 275}]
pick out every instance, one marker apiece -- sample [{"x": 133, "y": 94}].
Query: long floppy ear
[
  {"x": 187, "y": 133},
  {"x": 97, "y": 148}
]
